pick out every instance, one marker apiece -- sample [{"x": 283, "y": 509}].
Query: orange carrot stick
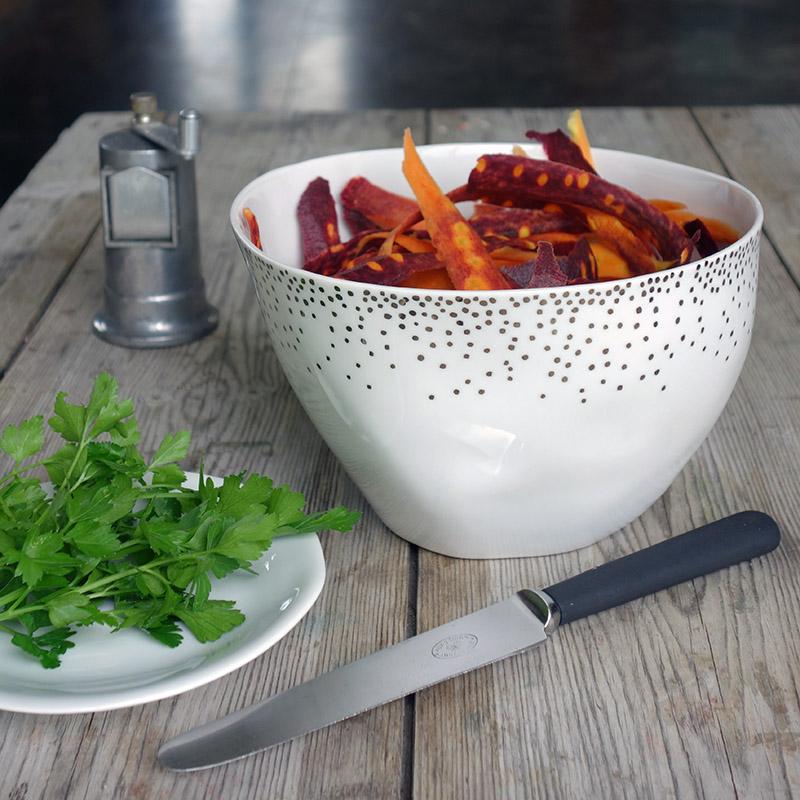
[
  {"x": 555, "y": 237},
  {"x": 666, "y": 205},
  {"x": 512, "y": 255},
  {"x": 621, "y": 238},
  {"x": 414, "y": 245},
  {"x": 428, "y": 279},
  {"x": 577, "y": 132},
  {"x": 723, "y": 233},
  {"x": 462, "y": 251},
  {"x": 370, "y": 237},
  {"x": 252, "y": 226},
  {"x": 609, "y": 264}
]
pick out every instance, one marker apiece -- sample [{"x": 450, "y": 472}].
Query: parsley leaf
[
  {"x": 105, "y": 411},
  {"x": 337, "y": 519},
  {"x": 174, "y": 447},
  {"x": 68, "y": 607},
  {"x": 40, "y": 554},
  {"x": 210, "y": 621},
  {"x": 47, "y": 647},
  {"x": 169, "y": 475},
  {"x": 93, "y": 539},
  {"x": 166, "y": 632},
  {"x": 237, "y": 498},
  {"x": 286, "y": 505},
  {"x": 24, "y": 440},
  {"x": 69, "y": 420},
  {"x": 247, "y": 538}
]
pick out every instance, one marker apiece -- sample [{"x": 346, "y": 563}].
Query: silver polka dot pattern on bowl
[{"x": 596, "y": 338}]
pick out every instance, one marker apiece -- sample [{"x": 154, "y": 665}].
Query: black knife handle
[{"x": 721, "y": 544}]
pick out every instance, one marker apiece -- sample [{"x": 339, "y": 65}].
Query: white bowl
[{"x": 510, "y": 423}]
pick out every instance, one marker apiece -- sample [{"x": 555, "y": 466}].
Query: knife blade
[{"x": 495, "y": 632}]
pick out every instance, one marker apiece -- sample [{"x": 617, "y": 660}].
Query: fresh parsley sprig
[{"x": 117, "y": 540}]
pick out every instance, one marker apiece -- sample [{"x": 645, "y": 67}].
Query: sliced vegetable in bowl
[{"x": 519, "y": 203}]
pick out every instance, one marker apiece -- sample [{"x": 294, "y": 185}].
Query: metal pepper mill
[{"x": 154, "y": 295}]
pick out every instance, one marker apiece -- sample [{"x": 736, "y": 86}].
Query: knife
[{"x": 511, "y": 626}]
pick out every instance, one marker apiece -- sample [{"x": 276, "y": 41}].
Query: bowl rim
[{"x": 410, "y": 291}]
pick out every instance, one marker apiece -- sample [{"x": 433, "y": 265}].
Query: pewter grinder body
[{"x": 154, "y": 295}]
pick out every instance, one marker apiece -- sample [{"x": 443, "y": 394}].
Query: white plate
[{"x": 108, "y": 670}]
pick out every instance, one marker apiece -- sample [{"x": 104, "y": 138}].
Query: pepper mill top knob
[{"x": 144, "y": 106}]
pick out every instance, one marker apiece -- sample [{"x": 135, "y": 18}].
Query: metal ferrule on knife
[{"x": 543, "y": 606}]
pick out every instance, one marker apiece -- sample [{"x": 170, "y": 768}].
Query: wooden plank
[
  {"x": 759, "y": 147},
  {"x": 229, "y": 390},
  {"x": 45, "y": 225},
  {"x": 689, "y": 693}
]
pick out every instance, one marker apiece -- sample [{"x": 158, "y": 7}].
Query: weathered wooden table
[{"x": 691, "y": 693}]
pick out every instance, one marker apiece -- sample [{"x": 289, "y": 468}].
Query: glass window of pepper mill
[{"x": 154, "y": 295}]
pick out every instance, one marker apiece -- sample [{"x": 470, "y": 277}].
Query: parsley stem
[
  {"x": 6, "y": 615},
  {"x": 15, "y": 605},
  {"x": 81, "y": 447},
  {"x": 12, "y": 596},
  {"x": 150, "y": 565},
  {"x": 17, "y": 471},
  {"x": 131, "y": 547},
  {"x": 172, "y": 494},
  {"x": 156, "y": 575},
  {"x": 6, "y": 509}
]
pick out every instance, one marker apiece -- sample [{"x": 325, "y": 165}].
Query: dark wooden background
[{"x": 58, "y": 60}]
